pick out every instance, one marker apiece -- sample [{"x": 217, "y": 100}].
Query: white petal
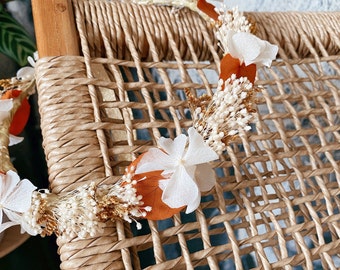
[
  {"x": 12, "y": 216},
  {"x": 174, "y": 148},
  {"x": 26, "y": 74},
  {"x": 251, "y": 49},
  {"x": 268, "y": 54},
  {"x": 232, "y": 47},
  {"x": 193, "y": 205},
  {"x": 2, "y": 190},
  {"x": 25, "y": 227},
  {"x": 14, "y": 139},
  {"x": 5, "y": 106},
  {"x": 31, "y": 60},
  {"x": 205, "y": 177},
  {"x": 163, "y": 183},
  {"x": 181, "y": 189},
  {"x": 19, "y": 199},
  {"x": 248, "y": 46},
  {"x": 198, "y": 151},
  {"x": 6, "y": 225},
  {"x": 36, "y": 55},
  {"x": 154, "y": 160},
  {"x": 9, "y": 182}
]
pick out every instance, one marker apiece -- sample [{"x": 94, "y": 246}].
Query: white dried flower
[
  {"x": 27, "y": 73},
  {"x": 15, "y": 198},
  {"x": 185, "y": 161},
  {"x": 250, "y": 49}
]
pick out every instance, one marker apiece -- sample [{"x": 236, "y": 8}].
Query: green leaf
[{"x": 14, "y": 40}]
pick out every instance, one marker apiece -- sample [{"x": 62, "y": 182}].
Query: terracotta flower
[
  {"x": 21, "y": 116},
  {"x": 208, "y": 9},
  {"x": 231, "y": 65}
]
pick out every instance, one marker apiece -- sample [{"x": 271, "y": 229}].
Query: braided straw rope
[{"x": 276, "y": 201}]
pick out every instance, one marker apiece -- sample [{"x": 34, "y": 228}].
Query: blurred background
[{"x": 16, "y": 26}]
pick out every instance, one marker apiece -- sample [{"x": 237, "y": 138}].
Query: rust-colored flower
[
  {"x": 21, "y": 116},
  {"x": 148, "y": 186},
  {"x": 231, "y": 65},
  {"x": 208, "y": 9}
]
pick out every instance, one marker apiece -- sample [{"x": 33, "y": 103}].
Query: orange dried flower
[
  {"x": 22, "y": 114},
  {"x": 148, "y": 186}
]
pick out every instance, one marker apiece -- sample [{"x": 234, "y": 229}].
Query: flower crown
[{"x": 162, "y": 181}]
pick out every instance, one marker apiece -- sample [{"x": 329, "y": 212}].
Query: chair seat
[{"x": 276, "y": 201}]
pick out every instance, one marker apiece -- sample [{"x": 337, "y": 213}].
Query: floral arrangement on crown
[{"x": 164, "y": 180}]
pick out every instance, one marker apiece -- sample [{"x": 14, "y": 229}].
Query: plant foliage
[{"x": 15, "y": 42}]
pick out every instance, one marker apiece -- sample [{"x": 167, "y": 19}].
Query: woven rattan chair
[{"x": 105, "y": 101}]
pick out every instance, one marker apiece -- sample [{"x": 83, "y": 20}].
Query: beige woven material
[{"x": 276, "y": 200}]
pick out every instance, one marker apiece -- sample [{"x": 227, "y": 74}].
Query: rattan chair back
[{"x": 276, "y": 201}]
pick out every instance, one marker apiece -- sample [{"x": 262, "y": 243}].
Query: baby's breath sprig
[
  {"x": 67, "y": 215},
  {"x": 229, "y": 111},
  {"x": 121, "y": 201},
  {"x": 83, "y": 211},
  {"x": 231, "y": 20}
]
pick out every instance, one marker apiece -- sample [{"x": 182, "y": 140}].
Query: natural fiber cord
[{"x": 276, "y": 201}]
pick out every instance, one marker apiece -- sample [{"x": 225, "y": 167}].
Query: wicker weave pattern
[{"x": 276, "y": 202}]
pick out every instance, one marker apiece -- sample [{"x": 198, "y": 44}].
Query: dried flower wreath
[{"x": 164, "y": 180}]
